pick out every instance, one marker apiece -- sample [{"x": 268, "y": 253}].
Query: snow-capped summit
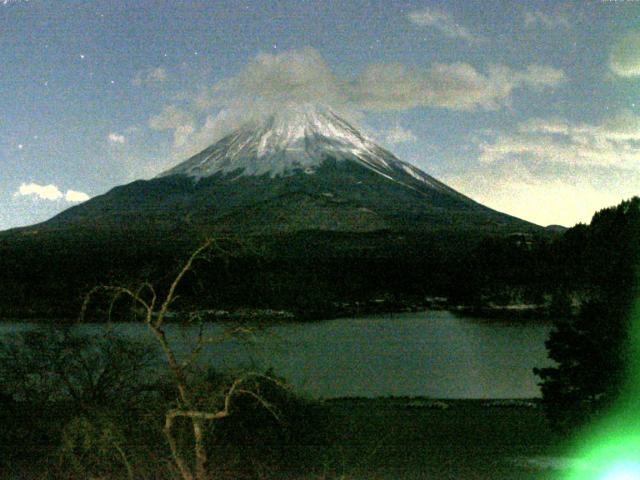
[
  {"x": 296, "y": 138},
  {"x": 299, "y": 138},
  {"x": 301, "y": 169}
]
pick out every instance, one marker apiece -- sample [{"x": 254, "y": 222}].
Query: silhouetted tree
[
  {"x": 590, "y": 348},
  {"x": 69, "y": 388},
  {"x": 197, "y": 402}
]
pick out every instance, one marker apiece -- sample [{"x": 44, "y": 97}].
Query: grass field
[
  {"x": 421, "y": 439},
  {"x": 376, "y": 439}
]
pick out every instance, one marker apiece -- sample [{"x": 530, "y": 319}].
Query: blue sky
[{"x": 532, "y": 108}]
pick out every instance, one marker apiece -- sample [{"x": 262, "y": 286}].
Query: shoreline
[{"x": 510, "y": 312}]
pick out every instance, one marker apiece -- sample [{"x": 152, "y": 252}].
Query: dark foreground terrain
[
  {"x": 421, "y": 439},
  {"x": 388, "y": 439}
]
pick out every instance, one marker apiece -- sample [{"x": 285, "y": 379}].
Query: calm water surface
[{"x": 433, "y": 354}]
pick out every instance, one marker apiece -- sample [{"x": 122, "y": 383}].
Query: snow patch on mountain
[{"x": 299, "y": 138}]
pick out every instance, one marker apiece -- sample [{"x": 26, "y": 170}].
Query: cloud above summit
[
  {"x": 268, "y": 82},
  {"x": 304, "y": 76}
]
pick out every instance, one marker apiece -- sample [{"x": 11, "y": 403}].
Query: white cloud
[
  {"x": 75, "y": 196},
  {"x": 557, "y": 20},
  {"x": 291, "y": 76},
  {"x": 444, "y": 23},
  {"x": 44, "y": 192},
  {"x": 303, "y": 76},
  {"x": 539, "y": 76},
  {"x": 150, "y": 76},
  {"x": 50, "y": 192},
  {"x": 621, "y": 127},
  {"x": 270, "y": 81},
  {"x": 557, "y": 171},
  {"x": 456, "y": 86},
  {"x": 116, "y": 138},
  {"x": 170, "y": 117},
  {"x": 611, "y": 143},
  {"x": 182, "y": 134},
  {"x": 624, "y": 59},
  {"x": 625, "y": 125},
  {"x": 399, "y": 135},
  {"x": 189, "y": 140},
  {"x": 173, "y": 118}
]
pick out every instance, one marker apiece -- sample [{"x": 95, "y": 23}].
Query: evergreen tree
[{"x": 589, "y": 349}]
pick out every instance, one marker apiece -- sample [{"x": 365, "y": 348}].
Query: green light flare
[
  {"x": 623, "y": 471},
  {"x": 610, "y": 449}
]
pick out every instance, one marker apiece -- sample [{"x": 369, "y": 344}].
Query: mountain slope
[
  {"x": 305, "y": 169},
  {"x": 329, "y": 217}
]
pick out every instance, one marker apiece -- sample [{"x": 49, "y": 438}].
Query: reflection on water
[{"x": 433, "y": 354}]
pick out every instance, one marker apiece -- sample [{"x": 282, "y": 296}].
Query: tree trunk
[{"x": 200, "y": 449}]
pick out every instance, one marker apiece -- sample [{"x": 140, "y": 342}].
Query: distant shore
[{"x": 333, "y": 311}]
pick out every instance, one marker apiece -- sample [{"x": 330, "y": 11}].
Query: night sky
[{"x": 532, "y": 108}]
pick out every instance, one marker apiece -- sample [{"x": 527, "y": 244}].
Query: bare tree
[{"x": 155, "y": 311}]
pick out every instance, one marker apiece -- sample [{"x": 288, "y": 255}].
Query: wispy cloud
[
  {"x": 116, "y": 138},
  {"x": 611, "y": 143},
  {"x": 566, "y": 199},
  {"x": 270, "y": 81},
  {"x": 398, "y": 134},
  {"x": 150, "y": 76},
  {"x": 50, "y": 192},
  {"x": 538, "y": 18},
  {"x": 455, "y": 86},
  {"x": 444, "y": 23},
  {"x": 171, "y": 116},
  {"x": 304, "y": 76},
  {"x": 174, "y": 118},
  {"x": 624, "y": 59},
  {"x": 572, "y": 168}
]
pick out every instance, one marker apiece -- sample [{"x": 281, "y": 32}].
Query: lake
[{"x": 434, "y": 354}]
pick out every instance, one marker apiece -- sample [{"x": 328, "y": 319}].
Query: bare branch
[
  {"x": 265, "y": 404},
  {"x": 149, "y": 287},
  {"x": 236, "y": 390},
  {"x": 117, "y": 291},
  {"x": 173, "y": 446},
  {"x": 146, "y": 296},
  {"x": 174, "y": 366},
  {"x": 197, "y": 349},
  {"x": 187, "y": 266},
  {"x": 198, "y": 414}
]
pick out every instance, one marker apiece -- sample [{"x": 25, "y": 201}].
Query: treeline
[
  {"x": 594, "y": 351},
  {"x": 309, "y": 273},
  {"x": 79, "y": 405},
  {"x": 563, "y": 270}
]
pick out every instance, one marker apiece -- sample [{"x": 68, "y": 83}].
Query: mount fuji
[
  {"x": 305, "y": 168},
  {"x": 330, "y": 217}
]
